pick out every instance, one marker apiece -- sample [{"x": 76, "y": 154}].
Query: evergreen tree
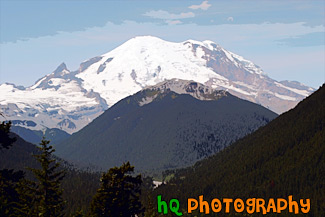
[
  {"x": 119, "y": 194},
  {"x": 10, "y": 203},
  {"x": 5, "y": 140},
  {"x": 15, "y": 197},
  {"x": 48, "y": 195},
  {"x": 78, "y": 213},
  {"x": 9, "y": 196}
]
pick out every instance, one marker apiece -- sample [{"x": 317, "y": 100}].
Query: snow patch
[
  {"x": 300, "y": 92},
  {"x": 285, "y": 97}
]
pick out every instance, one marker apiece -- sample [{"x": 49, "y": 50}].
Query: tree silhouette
[
  {"x": 5, "y": 139},
  {"x": 47, "y": 191},
  {"x": 118, "y": 194},
  {"x": 11, "y": 202}
]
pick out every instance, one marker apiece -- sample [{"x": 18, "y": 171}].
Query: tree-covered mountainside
[
  {"x": 285, "y": 157},
  {"x": 78, "y": 186},
  {"x": 56, "y": 189},
  {"x": 158, "y": 129},
  {"x": 19, "y": 156}
]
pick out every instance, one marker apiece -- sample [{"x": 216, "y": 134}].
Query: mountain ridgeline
[
  {"x": 70, "y": 99},
  {"x": 285, "y": 157},
  {"x": 162, "y": 128},
  {"x": 55, "y": 135}
]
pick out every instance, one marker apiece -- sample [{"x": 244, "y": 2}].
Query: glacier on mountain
[{"x": 69, "y": 100}]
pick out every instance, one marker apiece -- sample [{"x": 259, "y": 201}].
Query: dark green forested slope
[
  {"x": 285, "y": 157},
  {"x": 172, "y": 131},
  {"x": 19, "y": 156},
  {"x": 78, "y": 186}
]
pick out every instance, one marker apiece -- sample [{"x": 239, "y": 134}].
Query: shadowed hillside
[
  {"x": 158, "y": 129},
  {"x": 285, "y": 157}
]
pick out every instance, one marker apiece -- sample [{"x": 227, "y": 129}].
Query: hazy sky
[{"x": 285, "y": 38}]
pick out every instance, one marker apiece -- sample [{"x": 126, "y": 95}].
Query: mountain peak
[
  {"x": 143, "y": 40},
  {"x": 192, "y": 67},
  {"x": 207, "y": 44},
  {"x": 146, "y": 37},
  {"x": 61, "y": 68},
  {"x": 60, "y": 72},
  {"x": 147, "y": 60}
]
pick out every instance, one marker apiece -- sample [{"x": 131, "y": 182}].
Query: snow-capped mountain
[
  {"x": 69, "y": 100},
  {"x": 58, "y": 100},
  {"x": 144, "y": 61}
]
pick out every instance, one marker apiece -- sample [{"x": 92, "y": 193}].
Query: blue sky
[{"x": 285, "y": 38}]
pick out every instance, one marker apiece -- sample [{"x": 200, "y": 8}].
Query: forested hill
[
  {"x": 285, "y": 157},
  {"x": 158, "y": 129},
  {"x": 19, "y": 156},
  {"x": 78, "y": 186}
]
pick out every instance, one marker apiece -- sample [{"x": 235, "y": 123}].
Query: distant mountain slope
[
  {"x": 69, "y": 100},
  {"x": 170, "y": 125},
  {"x": 19, "y": 156},
  {"x": 35, "y": 136},
  {"x": 285, "y": 157}
]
